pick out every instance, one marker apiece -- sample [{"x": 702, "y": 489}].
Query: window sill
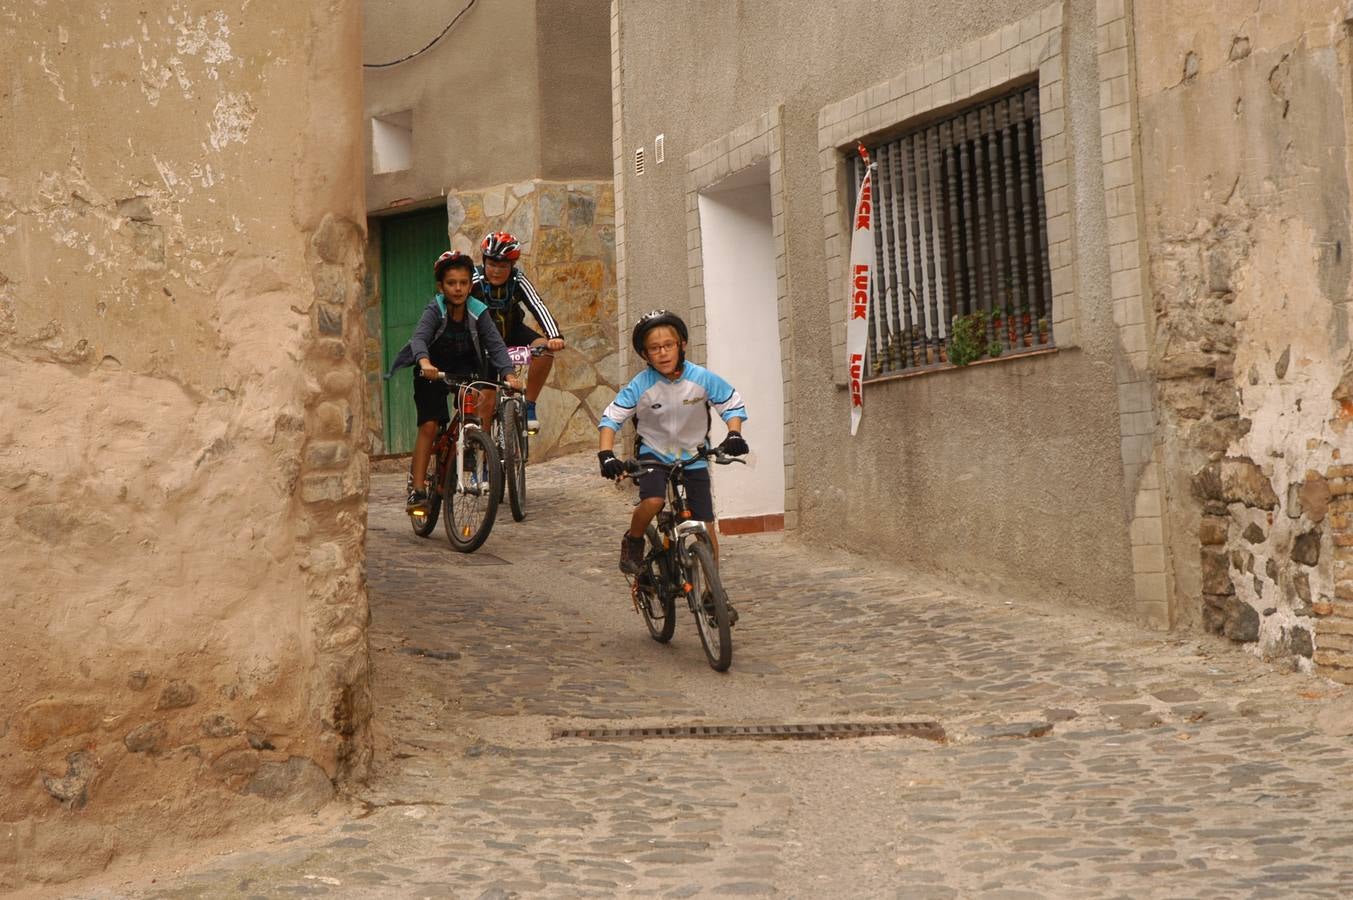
[{"x": 936, "y": 368}]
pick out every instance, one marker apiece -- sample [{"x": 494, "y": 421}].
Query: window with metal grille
[{"x": 961, "y": 241}]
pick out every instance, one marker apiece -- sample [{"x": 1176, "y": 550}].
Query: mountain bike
[
  {"x": 463, "y": 473},
  {"x": 680, "y": 563},
  {"x": 511, "y": 435}
]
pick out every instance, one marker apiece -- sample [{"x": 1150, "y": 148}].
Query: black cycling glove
[
  {"x": 734, "y": 444},
  {"x": 611, "y": 468}
]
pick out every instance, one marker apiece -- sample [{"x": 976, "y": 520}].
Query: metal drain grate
[{"x": 812, "y": 731}]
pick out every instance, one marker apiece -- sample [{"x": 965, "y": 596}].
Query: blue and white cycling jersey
[{"x": 673, "y": 416}]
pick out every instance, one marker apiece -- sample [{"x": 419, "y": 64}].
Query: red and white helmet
[{"x": 501, "y": 245}]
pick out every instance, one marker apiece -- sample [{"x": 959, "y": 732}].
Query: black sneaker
[
  {"x": 631, "y": 554},
  {"x": 707, "y": 601},
  {"x": 417, "y": 499}
]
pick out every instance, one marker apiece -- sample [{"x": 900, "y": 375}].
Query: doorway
[
  {"x": 410, "y": 244},
  {"x": 742, "y": 320}
]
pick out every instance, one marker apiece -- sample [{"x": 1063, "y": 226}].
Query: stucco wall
[
  {"x": 516, "y": 90},
  {"x": 182, "y": 621},
  {"x": 1244, "y": 130},
  {"x": 1011, "y": 472}
]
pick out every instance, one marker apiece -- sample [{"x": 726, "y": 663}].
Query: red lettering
[
  {"x": 856, "y": 388},
  {"x": 860, "y": 296},
  {"x": 864, "y": 212}
]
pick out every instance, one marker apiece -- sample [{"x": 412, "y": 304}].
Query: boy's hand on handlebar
[
  {"x": 611, "y": 468},
  {"x": 428, "y": 370},
  {"x": 512, "y": 381},
  {"x": 555, "y": 344},
  {"x": 734, "y": 444}
]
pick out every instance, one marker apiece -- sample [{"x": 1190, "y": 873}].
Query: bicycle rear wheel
[
  {"x": 471, "y": 506},
  {"x": 514, "y": 459},
  {"x": 654, "y": 591},
  {"x": 424, "y": 524},
  {"x": 711, "y": 606}
]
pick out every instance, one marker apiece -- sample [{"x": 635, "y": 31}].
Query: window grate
[
  {"x": 960, "y": 231},
  {"x": 639, "y": 161}
]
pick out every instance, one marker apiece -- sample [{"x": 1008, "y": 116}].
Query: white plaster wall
[{"x": 742, "y": 323}]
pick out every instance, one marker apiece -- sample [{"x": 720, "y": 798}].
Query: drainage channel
[{"x": 930, "y": 731}]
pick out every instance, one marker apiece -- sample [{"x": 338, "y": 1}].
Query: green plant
[{"x": 967, "y": 339}]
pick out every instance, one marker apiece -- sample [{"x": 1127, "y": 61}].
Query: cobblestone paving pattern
[{"x": 1085, "y": 758}]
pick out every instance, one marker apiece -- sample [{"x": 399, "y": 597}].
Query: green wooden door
[{"x": 410, "y": 244}]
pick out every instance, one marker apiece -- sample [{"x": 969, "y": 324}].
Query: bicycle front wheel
[
  {"x": 711, "y": 606},
  {"x": 472, "y": 504},
  {"x": 514, "y": 459},
  {"x": 655, "y": 592},
  {"x": 424, "y": 524}
]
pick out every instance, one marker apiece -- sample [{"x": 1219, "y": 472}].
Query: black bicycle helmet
[{"x": 650, "y": 320}]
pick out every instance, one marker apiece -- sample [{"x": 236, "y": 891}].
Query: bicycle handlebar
[
  {"x": 634, "y": 468},
  {"x": 477, "y": 384}
]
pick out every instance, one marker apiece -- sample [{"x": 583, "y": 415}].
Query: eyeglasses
[{"x": 667, "y": 347}]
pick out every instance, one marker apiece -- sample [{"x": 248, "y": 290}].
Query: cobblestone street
[{"x": 1084, "y": 758}]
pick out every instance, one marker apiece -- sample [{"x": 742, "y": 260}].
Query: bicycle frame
[
  {"x": 673, "y": 521},
  {"x": 467, "y": 394}
]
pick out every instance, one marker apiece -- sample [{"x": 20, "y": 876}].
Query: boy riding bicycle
[
  {"x": 508, "y": 293},
  {"x": 670, "y": 401},
  {"x": 454, "y": 336}
]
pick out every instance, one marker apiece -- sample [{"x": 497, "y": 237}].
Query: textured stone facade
[
  {"x": 1245, "y": 183},
  {"x": 182, "y": 476},
  {"x": 567, "y": 230}
]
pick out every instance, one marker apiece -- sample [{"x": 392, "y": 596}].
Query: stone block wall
[
  {"x": 567, "y": 230},
  {"x": 1244, "y": 133},
  {"x": 182, "y": 475},
  {"x": 1334, "y": 610}
]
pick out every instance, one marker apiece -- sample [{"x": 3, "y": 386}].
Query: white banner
[{"x": 860, "y": 290}]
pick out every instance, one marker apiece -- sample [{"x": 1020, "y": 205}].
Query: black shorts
[
  {"x": 521, "y": 336},
  {"x": 429, "y": 398},
  {"x": 699, "y": 498}
]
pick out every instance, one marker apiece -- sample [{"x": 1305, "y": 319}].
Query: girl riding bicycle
[
  {"x": 453, "y": 336},
  {"x": 670, "y": 400}
]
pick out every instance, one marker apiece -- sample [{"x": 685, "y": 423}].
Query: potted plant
[
  {"x": 897, "y": 348},
  {"x": 1043, "y": 333},
  {"x": 1026, "y": 326},
  {"x": 967, "y": 339}
]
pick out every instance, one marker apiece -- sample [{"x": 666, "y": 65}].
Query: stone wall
[
  {"x": 567, "y": 230},
  {"x": 182, "y": 489},
  {"x": 1245, "y": 185}
]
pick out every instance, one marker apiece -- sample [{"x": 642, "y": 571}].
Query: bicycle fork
[
  {"x": 459, "y": 462},
  {"x": 685, "y": 557}
]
